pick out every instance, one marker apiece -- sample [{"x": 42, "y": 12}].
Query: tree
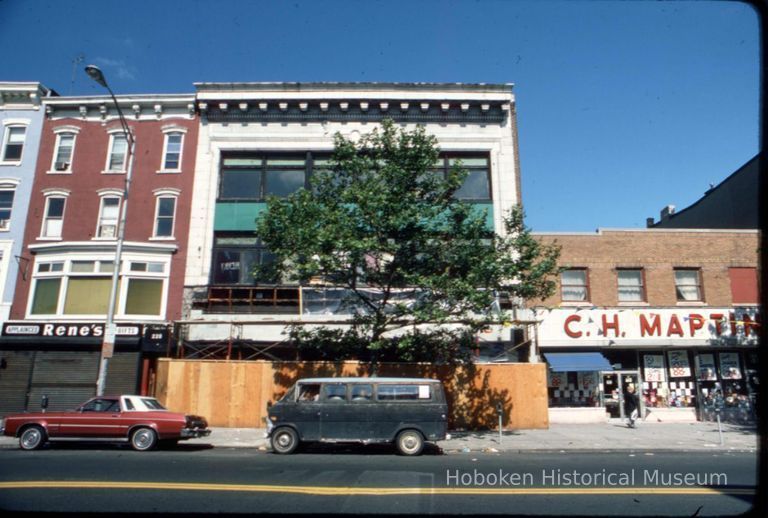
[{"x": 421, "y": 270}]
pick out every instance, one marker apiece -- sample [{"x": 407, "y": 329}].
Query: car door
[
  {"x": 305, "y": 413},
  {"x": 337, "y": 414},
  {"x": 96, "y": 419}
]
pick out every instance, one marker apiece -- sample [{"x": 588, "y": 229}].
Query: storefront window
[
  {"x": 573, "y": 389},
  {"x": 668, "y": 380}
]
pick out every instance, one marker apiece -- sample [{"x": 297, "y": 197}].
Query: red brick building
[
  {"x": 62, "y": 292},
  {"x": 674, "y": 312}
]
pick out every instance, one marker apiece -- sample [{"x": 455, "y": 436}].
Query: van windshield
[{"x": 288, "y": 396}]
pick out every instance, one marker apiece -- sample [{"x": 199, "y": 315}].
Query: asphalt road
[{"x": 103, "y": 478}]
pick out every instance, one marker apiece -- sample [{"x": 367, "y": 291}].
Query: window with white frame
[
  {"x": 631, "y": 287},
  {"x": 53, "y": 221},
  {"x": 118, "y": 153},
  {"x": 174, "y": 141},
  {"x": 688, "y": 285},
  {"x": 574, "y": 285},
  {"x": 63, "y": 152},
  {"x": 109, "y": 214},
  {"x": 80, "y": 286},
  {"x": 13, "y": 143},
  {"x": 7, "y": 193},
  {"x": 165, "y": 214}
]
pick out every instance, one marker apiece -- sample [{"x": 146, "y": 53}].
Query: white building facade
[{"x": 258, "y": 139}]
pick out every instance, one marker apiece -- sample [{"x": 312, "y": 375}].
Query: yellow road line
[{"x": 374, "y": 491}]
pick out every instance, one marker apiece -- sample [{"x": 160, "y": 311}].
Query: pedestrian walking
[{"x": 631, "y": 405}]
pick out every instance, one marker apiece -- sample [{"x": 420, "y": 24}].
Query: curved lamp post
[{"x": 108, "y": 343}]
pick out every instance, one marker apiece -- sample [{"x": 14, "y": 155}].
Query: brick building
[
  {"x": 52, "y": 341},
  {"x": 674, "y": 312}
]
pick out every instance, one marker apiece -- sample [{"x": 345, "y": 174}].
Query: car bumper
[{"x": 187, "y": 433}]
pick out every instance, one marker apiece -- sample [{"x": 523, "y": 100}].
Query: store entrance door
[
  {"x": 611, "y": 394},
  {"x": 614, "y": 386},
  {"x": 627, "y": 378}
]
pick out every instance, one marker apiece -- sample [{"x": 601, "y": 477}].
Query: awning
[{"x": 569, "y": 362}]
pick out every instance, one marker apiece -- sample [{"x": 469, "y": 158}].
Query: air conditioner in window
[
  {"x": 61, "y": 166},
  {"x": 4, "y": 224}
]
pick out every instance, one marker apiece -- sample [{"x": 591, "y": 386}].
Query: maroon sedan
[{"x": 141, "y": 420}]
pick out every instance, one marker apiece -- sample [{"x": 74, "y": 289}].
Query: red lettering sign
[
  {"x": 567, "y": 326},
  {"x": 653, "y": 329},
  {"x": 695, "y": 322},
  {"x": 612, "y": 325},
  {"x": 674, "y": 327}
]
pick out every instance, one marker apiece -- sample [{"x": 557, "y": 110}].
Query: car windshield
[{"x": 152, "y": 403}]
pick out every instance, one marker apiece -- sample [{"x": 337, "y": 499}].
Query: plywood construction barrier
[{"x": 235, "y": 393}]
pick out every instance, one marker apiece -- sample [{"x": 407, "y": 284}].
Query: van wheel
[
  {"x": 143, "y": 439},
  {"x": 285, "y": 440},
  {"x": 32, "y": 438},
  {"x": 409, "y": 442}
]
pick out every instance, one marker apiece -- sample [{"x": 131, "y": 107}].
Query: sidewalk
[{"x": 604, "y": 437}]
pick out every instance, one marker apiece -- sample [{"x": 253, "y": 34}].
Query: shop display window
[
  {"x": 573, "y": 389},
  {"x": 668, "y": 380}
]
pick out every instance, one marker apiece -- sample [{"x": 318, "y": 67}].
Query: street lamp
[{"x": 108, "y": 343}]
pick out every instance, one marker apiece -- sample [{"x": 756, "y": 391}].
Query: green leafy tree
[{"x": 420, "y": 268}]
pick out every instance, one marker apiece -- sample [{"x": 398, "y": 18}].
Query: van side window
[
  {"x": 403, "y": 392},
  {"x": 335, "y": 392},
  {"x": 309, "y": 392},
  {"x": 362, "y": 392}
]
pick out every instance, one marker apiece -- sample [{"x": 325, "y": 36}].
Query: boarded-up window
[{"x": 743, "y": 285}]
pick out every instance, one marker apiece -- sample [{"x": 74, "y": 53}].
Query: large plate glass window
[
  {"x": 234, "y": 258},
  {"x": 477, "y": 184}
]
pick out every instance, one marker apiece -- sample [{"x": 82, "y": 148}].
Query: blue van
[{"x": 404, "y": 411}]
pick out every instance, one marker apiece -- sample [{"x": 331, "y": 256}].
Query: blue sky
[{"x": 623, "y": 107}]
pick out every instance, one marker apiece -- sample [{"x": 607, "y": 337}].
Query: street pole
[{"x": 110, "y": 330}]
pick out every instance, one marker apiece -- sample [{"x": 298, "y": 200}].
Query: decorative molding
[{"x": 481, "y": 112}]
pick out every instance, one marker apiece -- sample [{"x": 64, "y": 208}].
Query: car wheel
[
  {"x": 285, "y": 440},
  {"x": 409, "y": 442},
  {"x": 32, "y": 438},
  {"x": 143, "y": 439}
]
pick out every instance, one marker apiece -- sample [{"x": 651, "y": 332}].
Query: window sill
[
  {"x": 637, "y": 303},
  {"x": 44, "y": 238},
  {"x": 168, "y": 171},
  {"x": 113, "y": 172},
  {"x": 103, "y": 239},
  {"x": 10, "y": 163},
  {"x": 170, "y": 238},
  {"x": 53, "y": 171},
  {"x": 569, "y": 303},
  {"x": 693, "y": 303}
]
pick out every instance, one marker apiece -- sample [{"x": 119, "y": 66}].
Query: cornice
[
  {"x": 364, "y": 110},
  {"x": 134, "y": 107},
  {"x": 22, "y": 95},
  {"x": 100, "y": 246}
]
